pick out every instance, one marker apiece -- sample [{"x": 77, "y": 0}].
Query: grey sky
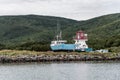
[{"x": 74, "y": 9}]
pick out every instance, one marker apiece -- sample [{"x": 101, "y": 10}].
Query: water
[{"x": 61, "y": 71}]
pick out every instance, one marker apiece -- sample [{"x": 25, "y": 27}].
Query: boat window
[{"x": 83, "y": 45}]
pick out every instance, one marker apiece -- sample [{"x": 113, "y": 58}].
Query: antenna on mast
[
  {"x": 59, "y": 32},
  {"x": 61, "y": 35}
]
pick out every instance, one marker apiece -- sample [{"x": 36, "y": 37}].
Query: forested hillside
[{"x": 33, "y": 32}]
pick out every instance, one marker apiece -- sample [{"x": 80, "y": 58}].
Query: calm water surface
[{"x": 61, "y": 71}]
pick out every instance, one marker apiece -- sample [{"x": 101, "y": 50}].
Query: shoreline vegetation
[{"x": 18, "y": 56}]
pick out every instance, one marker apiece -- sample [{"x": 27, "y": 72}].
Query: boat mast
[{"x": 59, "y": 32}]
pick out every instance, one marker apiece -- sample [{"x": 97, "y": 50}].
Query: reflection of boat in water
[{"x": 80, "y": 43}]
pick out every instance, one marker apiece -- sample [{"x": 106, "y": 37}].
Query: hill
[
  {"x": 35, "y": 32},
  {"x": 19, "y": 29},
  {"x": 102, "y": 30}
]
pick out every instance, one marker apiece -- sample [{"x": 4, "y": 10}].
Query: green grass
[{"x": 17, "y": 53}]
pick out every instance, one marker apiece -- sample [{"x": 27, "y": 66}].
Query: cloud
[{"x": 75, "y": 9}]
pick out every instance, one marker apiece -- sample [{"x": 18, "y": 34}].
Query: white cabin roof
[{"x": 63, "y": 41}]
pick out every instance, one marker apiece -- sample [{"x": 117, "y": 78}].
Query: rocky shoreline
[
  {"x": 54, "y": 57},
  {"x": 37, "y": 59}
]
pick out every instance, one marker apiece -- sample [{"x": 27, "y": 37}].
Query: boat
[{"x": 79, "y": 45}]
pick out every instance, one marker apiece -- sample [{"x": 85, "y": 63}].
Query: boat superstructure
[
  {"x": 79, "y": 45},
  {"x": 80, "y": 41}
]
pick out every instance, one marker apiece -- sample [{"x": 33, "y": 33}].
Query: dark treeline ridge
[
  {"x": 45, "y": 46},
  {"x": 35, "y": 32},
  {"x": 32, "y": 46}
]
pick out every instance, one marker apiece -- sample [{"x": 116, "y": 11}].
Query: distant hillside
[
  {"x": 17, "y": 29},
  {"x": 102, "y": 30},
  {"x": 32, "y": 31}
]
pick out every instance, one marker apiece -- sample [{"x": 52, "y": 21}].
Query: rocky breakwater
[{"x": 29, "y": 56}]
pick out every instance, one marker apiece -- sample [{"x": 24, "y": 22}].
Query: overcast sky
[{"x": 74, "y": 9}]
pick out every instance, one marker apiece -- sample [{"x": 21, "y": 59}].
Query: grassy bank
[
  {"x": 33, "y": 56},
  {"x": 51, "y": 53}
]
